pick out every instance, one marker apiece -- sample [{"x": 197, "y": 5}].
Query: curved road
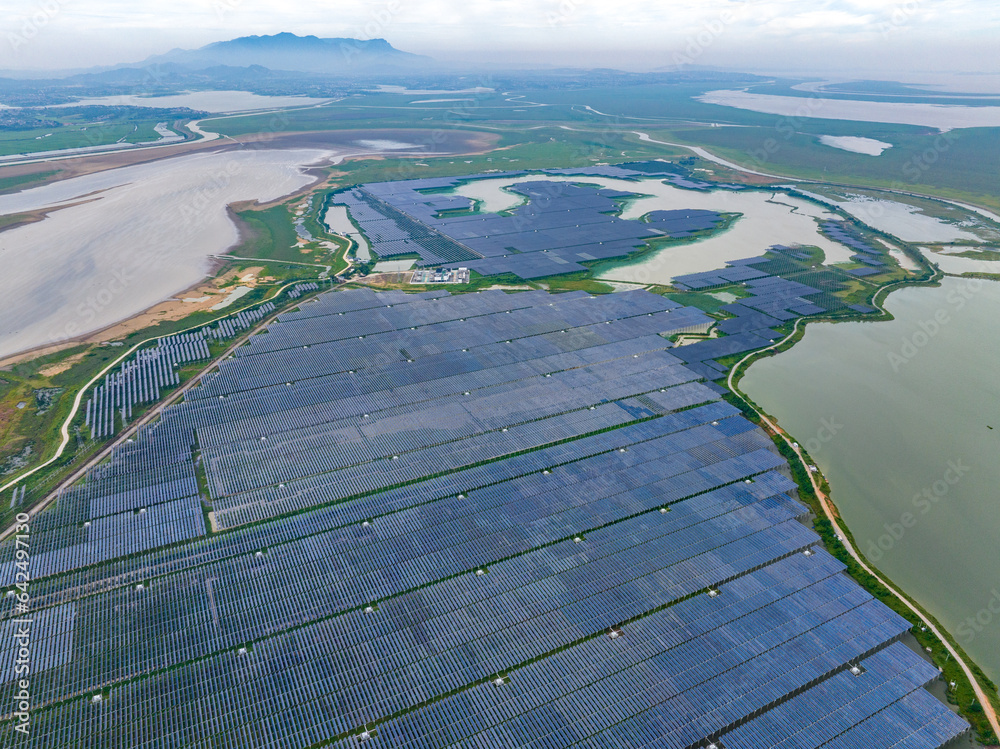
[{"x": 830, "y": 511}]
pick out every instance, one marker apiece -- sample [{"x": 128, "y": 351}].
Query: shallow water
[
  {"x": 139, "y": 235},
  {"x": 207, "y": 101},
  {"x": 896, "y": 415},
  {"x": 959, "y": 265},
  {"x": 339, "y": 222},
  {"x": 943, "y": 117},
  {"x": 902, "y": 220},
  {"x": 867, "y": 146},
  {"x": 906, "y": 222}
]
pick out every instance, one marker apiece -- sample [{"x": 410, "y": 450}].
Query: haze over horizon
[{"x": 883, "y": 37}]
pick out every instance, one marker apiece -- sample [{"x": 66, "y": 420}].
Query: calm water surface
[{"x": 897, "y": 416}]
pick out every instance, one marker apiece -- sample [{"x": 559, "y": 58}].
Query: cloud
[{"x": 624, "y": 32}]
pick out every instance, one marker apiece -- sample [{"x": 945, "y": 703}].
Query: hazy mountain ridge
[{"x": 286, "y": 51}]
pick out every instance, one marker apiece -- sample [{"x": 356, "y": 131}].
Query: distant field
[
  {"x": 75, "y": 136},
  {"x": 535, "y": 149},
  {"x": 962, "y": 164}
]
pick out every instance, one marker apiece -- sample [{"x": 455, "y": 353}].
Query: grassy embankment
[
  {"x": 20, "y": 182},
  {"x": 957, "y": 167},
  {"x": 961, "y": 694}
]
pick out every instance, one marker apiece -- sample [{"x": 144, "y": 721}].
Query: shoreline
[
  {"x": 474, "y": 143},
  {"x": 816, "y": 482},
  {"x": 94, "y": 337},
  {"x": 843, "y": 540},
  {"x": 321, "y": 174}
]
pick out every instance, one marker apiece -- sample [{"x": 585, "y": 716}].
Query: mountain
[{"x": 305, "y": 54}]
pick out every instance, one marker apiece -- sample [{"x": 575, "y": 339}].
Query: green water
[{"x": 896, "y": 414}]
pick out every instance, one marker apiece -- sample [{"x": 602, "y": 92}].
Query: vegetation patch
[{"x": 45, "y": 398}]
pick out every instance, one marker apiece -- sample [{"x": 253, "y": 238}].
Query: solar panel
[{"x": 484, "y": 519}]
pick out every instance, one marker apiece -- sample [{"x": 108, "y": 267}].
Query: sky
[{"x": 847, "y": 36}]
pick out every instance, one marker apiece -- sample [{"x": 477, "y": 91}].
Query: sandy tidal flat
[
  {"x": 130, "y": 238},
  {"x": 206, "y": 101}
]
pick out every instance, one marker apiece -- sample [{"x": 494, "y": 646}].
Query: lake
[
  {"x": 129, "y": 238},
  {"x": 897, "y": 416},
  {"x": 854, "y": 144},
  {"x": 767, "y": 219},
  {"x": 206, "y": 101}
]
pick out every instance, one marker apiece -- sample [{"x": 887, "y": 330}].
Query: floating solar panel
[{"x": 560, "y": 226}]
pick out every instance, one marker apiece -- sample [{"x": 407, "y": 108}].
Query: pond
[{"x": 903, "y": 418}]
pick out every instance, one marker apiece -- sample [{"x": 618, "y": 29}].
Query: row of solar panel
[
  {"x": 683, "y": 425},
  {"x": 110, "y": 537},
  {"x": 240, "y": 466},
  {"x": 187, "y": 491},
  {"x": 465, "y": 573},
  {"x": 394, "y": 355},
  {"x": 217, "y": 714},
  {"x": 568, "y": 697},
  {"x": 591, "y": 589},
  {"x": 569, "y": 223},
  {"x": 305, "y": 412},
  {"x": 195, "y": 630}
]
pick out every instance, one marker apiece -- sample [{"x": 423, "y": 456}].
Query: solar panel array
[
  {"x": 140, "y": 380},
  {"x": 670, "y": 172},
  {"x": 230, "y": 326},
  {"x": 560, "y": 227},
  {"x": 771, "y": 301},
  {"x": 866, "y": 253},
  {"x": 300, "y": 288},
  {"x": 422, "y": 520}
]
